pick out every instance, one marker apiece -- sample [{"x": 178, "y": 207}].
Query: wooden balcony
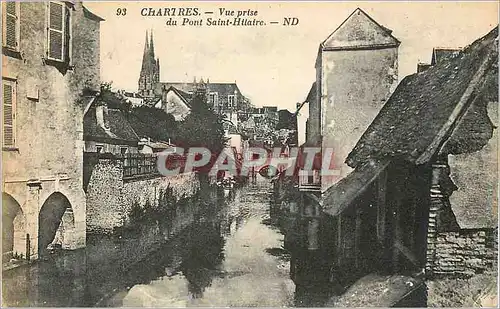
[{"x": 309, "y": 181}]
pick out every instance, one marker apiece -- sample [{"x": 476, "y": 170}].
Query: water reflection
[
  {"x": 222, "y": 255},
  {"x": 230, "y": 265}
]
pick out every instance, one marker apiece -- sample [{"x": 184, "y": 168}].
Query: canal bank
[{"x": 227, "y": 256}]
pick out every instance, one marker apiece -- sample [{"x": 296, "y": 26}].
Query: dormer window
[
  {"x": 58, "y": 31},
  {"x": 11, "y": 25}
]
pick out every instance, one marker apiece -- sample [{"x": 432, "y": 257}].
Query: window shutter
[
  {"x": 8, "y": 114},
  {"x": 11, "y": 25},
  {"x": 56, "y": 31},
  {"x": 67, "y": 34}
]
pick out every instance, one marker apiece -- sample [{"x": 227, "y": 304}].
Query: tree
[
  {"x": 202, "y": 127},
  {"x": 152, "y": 122}
]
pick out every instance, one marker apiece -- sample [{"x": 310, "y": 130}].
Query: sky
[{"x": 273, "y": 64}]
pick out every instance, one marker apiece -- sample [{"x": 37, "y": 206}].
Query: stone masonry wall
[
  {"x": 465, "y": 253},
  {"x": 110, "y": 197},
  {"x": 141, "y": 191},
  {"x": 49, "y": 118}
]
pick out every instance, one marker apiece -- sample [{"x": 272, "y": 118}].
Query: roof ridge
[
  {"x": 447, "y": 48},
  {"x": 385, "y": 29}
]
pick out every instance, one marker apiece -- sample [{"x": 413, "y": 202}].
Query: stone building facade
[
  {"x": 356, "y": 71},
  {"x": 50, "y": 62}
]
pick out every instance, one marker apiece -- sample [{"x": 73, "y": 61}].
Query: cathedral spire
[
  {"x": 146, "y": 51},
  {"x": 152, "y": 46},
  {"x": 149, "y": 77}
]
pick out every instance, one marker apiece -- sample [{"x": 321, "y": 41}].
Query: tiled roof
[
  {"x": 423, "y": 109},
  {"x": 120, "y": 131}
]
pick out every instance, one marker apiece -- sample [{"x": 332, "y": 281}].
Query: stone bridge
[{"x": 42, "y": 213}]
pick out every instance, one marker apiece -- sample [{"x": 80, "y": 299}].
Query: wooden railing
[{"x": 139, "y": 164}]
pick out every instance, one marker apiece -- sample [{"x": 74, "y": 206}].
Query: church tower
[{"x": 150, "y": 70}]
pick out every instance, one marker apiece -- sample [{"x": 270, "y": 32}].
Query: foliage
[
  {"x": 136, "y": 212},
  {"x": 202, "y": 127},
  {"x": 245, "y": 104},
  {"x": 152, "y": 122}
]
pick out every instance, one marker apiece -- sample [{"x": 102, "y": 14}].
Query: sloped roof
[
  {"x": 120, "y": 131},
  {"x": 339, "y": 196},
  {"x": 359, "y": 31},
  {"x": 311, "y": 96},
  {"x": 87, "y": 13},
  {"x": 156, "y": 145},
  {"x": 184, "y": 96},
  {"x": 422, "y": 111}
]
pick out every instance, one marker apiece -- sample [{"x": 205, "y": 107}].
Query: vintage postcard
[{"x": 243, "y": 154}]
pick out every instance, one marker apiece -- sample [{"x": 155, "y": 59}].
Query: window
[
  {"x": 230, "y": 100},
  {"x": 58, "y": 32},
  {"x": 99, "y": 148},
  {"x": 123, "y": 150},
  {"x": 212, "y": 98},
  {"x": 10, "y": 36},
  {"x": 9, "y": 113}
]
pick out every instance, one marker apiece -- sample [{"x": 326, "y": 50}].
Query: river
[{"x": 229, "y": 255}]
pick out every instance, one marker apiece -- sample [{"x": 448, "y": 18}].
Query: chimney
[{"x": 101, "y": 112}]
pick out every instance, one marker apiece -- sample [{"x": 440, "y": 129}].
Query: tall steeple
[
  {"x": 146, "y": 51},
  {"x": 152, "y": 46},
  {"x": 149, "y": 77}
]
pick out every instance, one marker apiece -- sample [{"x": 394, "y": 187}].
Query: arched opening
[
  {"x": 13, "y": 229},
  {"x": 55, "y": 224}
]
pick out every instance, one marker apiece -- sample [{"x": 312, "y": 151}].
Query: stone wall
[
  {"x": 110, "y": 197},
  {"x": 348, "y": 106},
  {"x": 465, "y": 253}
]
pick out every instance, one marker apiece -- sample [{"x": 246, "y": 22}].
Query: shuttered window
[
  {"x": 9, "y": 113},
  {"x": 10, "y": 38},
  {"x": 58, "y": 31}
]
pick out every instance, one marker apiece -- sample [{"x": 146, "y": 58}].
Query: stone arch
[
  {"x": 56, "y": 223},
  {"x": 13, "y": 229}
]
